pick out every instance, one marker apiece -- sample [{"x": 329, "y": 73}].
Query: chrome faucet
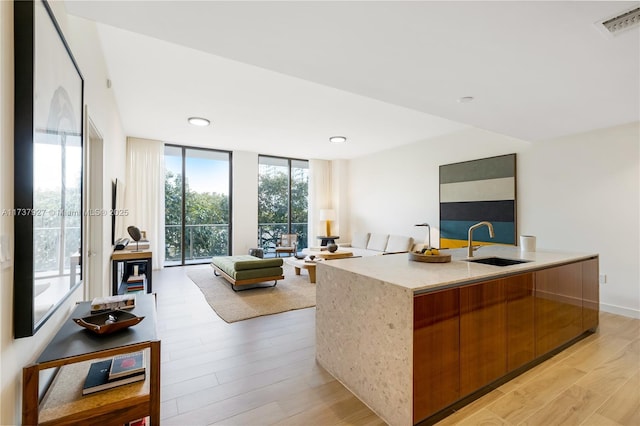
[
  {"x": 473, "y": 228},
  {"x": 428, "y": 239}
]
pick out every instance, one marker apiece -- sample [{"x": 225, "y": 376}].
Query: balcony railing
[
  {"x": 268, "y": 234},
  {"x": 202, "y": 242},
  {"x": 47, "y": 260}
]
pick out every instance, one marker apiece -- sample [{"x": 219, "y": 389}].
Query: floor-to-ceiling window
[
  {"x": 57, "y": 226},
  {"x": 283, "y": 189},
  {"x": 197, "y": 204}
]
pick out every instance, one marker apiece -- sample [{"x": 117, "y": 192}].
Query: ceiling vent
[{"x": 621, "y": 22}]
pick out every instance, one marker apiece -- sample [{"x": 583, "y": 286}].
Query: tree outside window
[{"x": 283, "y": 192}]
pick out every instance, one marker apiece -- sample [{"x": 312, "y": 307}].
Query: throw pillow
[
  {"x": 378, "y": 242},
  {"x": 360, "y": 240},
  {"x": 398, "y": 243}
]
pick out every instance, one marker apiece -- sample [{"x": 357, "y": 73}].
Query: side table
[
  {"x": 74, "y": 347},
  {"x": 126, "y": 259},
  {"x": 328, "y": 240}
]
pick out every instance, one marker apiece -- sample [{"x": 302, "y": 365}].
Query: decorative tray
[
  {"x": 430, "y": 258},
  {"x": 109, "y": 321}
]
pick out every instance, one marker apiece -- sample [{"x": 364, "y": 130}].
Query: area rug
[{"x": 294, "y": 292}]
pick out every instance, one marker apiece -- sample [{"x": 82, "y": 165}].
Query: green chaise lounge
[{"x": 244, "y": 269}]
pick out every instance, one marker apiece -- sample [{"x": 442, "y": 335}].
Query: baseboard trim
[{"x": 620, "y": 310}]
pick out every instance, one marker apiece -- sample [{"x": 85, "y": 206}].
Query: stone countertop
[{"x": 422, "y": 277}]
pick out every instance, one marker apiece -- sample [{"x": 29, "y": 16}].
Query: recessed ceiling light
[
  {"x": 337, "y": 139},
  {"x": 198, "y": 121},
  {"x": 465, "y": 99}
]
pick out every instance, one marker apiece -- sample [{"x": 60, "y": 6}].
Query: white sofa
[{"x": 371, "y": 244}]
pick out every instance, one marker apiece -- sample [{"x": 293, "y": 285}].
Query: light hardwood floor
[{"x": 263, "y": 372}]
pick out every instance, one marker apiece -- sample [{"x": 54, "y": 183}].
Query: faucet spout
[
  {"x": 428, "y": 239},
  {"x": 473, "y": 228}
]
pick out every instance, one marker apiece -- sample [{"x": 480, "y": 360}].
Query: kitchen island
[{"x": 410, "y": 339}]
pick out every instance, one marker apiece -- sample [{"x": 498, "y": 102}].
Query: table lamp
[{"x": 328, "y": 215}]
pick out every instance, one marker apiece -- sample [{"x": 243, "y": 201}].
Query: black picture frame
[{"x": 48, "y": 117}]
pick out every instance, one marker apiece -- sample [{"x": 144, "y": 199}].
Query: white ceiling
[{"x": 281, "y": 77}]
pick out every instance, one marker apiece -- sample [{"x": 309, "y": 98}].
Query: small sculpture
[{"x": 134, "y": 231}]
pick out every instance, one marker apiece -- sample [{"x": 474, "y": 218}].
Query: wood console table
[
  {"x": 126, "y": 258},
  {"x": 73, "y": 349}
]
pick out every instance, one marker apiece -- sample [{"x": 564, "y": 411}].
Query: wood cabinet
[
  {"x": 467, "y": 337},
  {"x": 520, "y": 320},
  {"x": 436, "y": 351},
  {"x": 496, "y": 329},
  {"x": 483, "y": 334},
  {"x": 558, "y": 306},
  {"x": 590, "y": 294},
  {"x": 72, "y": 350}
]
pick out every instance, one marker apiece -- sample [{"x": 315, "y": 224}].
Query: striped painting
[{"x": 473, "y": 191}]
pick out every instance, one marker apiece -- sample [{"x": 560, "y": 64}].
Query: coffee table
[
  {"x": 338, "y": 254},
  {"x": 299, "y": 264}
]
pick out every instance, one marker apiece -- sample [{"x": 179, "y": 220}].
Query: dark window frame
[
  {"x": 289, "y": 161},
  {"x": 183, "y": 150}
]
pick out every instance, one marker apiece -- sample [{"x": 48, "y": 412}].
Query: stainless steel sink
[{"x": 497, "y": 261}]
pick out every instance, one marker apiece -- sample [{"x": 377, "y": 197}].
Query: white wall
[
  {"x": 102, "y": 109},
  {"x": 245, "y": 201},
  {"x": 580, "y": 193},
  {"x": 340, "y": 199},
  {"x": 81, "y": 36},
  {"x": 391, "y": 191},
  {"x": 576, "y": 193}
]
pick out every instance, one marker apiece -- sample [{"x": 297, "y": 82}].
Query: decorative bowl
[
  {"x": 429, "y": 258},
  {"x": 108, "y": 322}
]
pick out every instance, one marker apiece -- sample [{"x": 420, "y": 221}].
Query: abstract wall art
[{"x": 474, "y": 191}]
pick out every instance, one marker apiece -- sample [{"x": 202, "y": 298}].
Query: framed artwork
[
  {"x": 48, "y": 162},
  {"x": 474, "y": 191}
]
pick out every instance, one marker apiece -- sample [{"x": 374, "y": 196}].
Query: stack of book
[
  {"x": 123, "y": 301},
  {"x": 135, "y": 283},
  {"x": 118, "y": 371}
]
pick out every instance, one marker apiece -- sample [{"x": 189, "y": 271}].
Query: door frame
[{"x": 95, "y": 284}]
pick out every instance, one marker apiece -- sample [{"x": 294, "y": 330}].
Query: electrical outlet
[
  {"x": 4, "y": 248},
  {"x": 5, "y": 256},
  {"x": 603, "y": 278}
]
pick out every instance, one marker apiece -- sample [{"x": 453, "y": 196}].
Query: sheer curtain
[
  {"x": 319, "y": 197},
  {"x": 144, "y": 192}
]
